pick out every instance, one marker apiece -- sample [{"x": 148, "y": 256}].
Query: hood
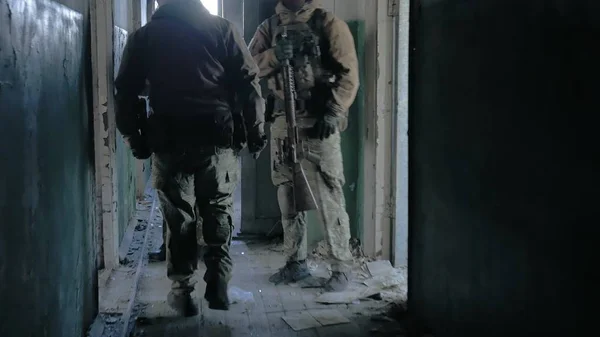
[
  {"x": 185, "y": 10},
  {"x": 303, "y": 15}
]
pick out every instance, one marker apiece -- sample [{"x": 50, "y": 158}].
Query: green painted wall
[
  {"x": 352, "y": 150},
  {"x": 126, "y": 186},
  {"x": 260, "y": 211},
  {"x": 48, "y": 277},
  {"x": 125, "y": 163}
]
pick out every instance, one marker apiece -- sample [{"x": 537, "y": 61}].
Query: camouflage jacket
[{"x": 341, "y": 50}]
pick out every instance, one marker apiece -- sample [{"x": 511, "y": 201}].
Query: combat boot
[
  {"x": 216, "y": 295},
  {"x": 338, "y": 282},
  {"x": 183, "y": 303},
  {"x": 292, "y": 272},
  {"x": 158, "y": 256}
]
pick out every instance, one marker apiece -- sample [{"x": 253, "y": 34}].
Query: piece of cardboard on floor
[
  {"x": 315, "y": 318},
  {"x": 328, "y": 317},
  {"x": 301, "y": 321}
]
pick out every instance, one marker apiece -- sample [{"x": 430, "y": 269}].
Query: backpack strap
[
  {"x": 273, "y": 24},
  {"x": 317, "y": 20},
  {"x": 317, "y": 25}
]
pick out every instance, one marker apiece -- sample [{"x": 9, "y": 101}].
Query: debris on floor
[
  {"x": 377, "y": 280},
  {"x": 321, "y": 250},
  {"x": 378, "y": 268},
  {"x": 261, "y": 308},
  {"x": 314, "y": 319},
  {"x": 391, "y": 281},
  {"x": 237, "y": 295},
  {"x": 356, "y": 248},
  {"x": 350, "y": 296},
  {"x": 301, "y": 321},
  {"x": 328, "y": 317}
]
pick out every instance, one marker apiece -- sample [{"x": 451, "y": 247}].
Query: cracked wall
[{"x": 46, "y": 182}]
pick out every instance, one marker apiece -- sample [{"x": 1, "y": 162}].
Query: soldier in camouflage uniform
[
  {"x": 321, "y": 49},
  {"x": 206, "y": 105}
]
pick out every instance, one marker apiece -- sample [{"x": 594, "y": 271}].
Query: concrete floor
[{"x": 254, "y": 262}]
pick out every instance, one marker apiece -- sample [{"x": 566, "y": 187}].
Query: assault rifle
[{"x": 304, "y": 199}]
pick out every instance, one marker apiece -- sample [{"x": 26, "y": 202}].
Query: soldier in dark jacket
[{"x": 206, "y": 105}]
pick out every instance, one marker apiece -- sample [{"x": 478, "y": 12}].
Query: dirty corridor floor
[{"x": 254, "y": 262}]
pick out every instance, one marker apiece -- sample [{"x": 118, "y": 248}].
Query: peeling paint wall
[
  {"x": 120, "y": 178},
  {"x": 378, "y": 208},
  {"x": 126, "y": 168},
  {"x": 47, "y": 260}
]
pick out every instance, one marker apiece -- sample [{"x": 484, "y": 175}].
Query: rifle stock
[{"x": 304, "y": 199}]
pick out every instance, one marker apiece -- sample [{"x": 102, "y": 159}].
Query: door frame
[
  {"x": 101, "y": 14},
  {"x": 400, "y": 149}
]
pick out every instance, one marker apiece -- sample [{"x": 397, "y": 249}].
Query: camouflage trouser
[
  {"x": 198, "y": 233},
  {"x": 197, "y": 188},
  {"x": 326, "y": 179}
]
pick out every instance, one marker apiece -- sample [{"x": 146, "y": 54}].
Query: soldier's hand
[
  {"x": 284, "y": 50},
  {"x": 325, "y": 127},
  {"x": 257, "y": 141}
]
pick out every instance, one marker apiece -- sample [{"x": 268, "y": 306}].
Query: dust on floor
[{"x": 261, "y": 309}]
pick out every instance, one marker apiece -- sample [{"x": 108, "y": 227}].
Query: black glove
[
  {"x": 257, "y": 141},
  {"x": 284, "y": 50},
  {"x": 139, "y": 148},
  {"x": 326, "y": 126}
]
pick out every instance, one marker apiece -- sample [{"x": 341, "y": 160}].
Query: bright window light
[{"x": 211, "y": 5}]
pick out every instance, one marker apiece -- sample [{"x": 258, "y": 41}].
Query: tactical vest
[{"x": 311, "y": 64}]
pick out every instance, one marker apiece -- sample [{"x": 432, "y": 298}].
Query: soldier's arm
[
  {"x": 130, "y": 82},
  {"x": 245, "y": 75},
  {"x": 343, "y": 52},
  {"x": 262, "y": 51}
]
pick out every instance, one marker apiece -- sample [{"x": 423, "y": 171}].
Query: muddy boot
[
  {"x": 182, "y": 303},
  {"x": 293, "y": 271},
  {"x": 158, "y": 256},
  {"x": 216, "y": 295},
  {"x": 338, "y": 282}
]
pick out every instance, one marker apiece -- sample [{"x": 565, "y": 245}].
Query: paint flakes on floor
[{"x": 261, "y": 309}]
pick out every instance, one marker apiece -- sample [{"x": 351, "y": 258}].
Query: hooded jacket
[
  {"x": 341, "y": 51},
  {"x": 196, "y": 64}
]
